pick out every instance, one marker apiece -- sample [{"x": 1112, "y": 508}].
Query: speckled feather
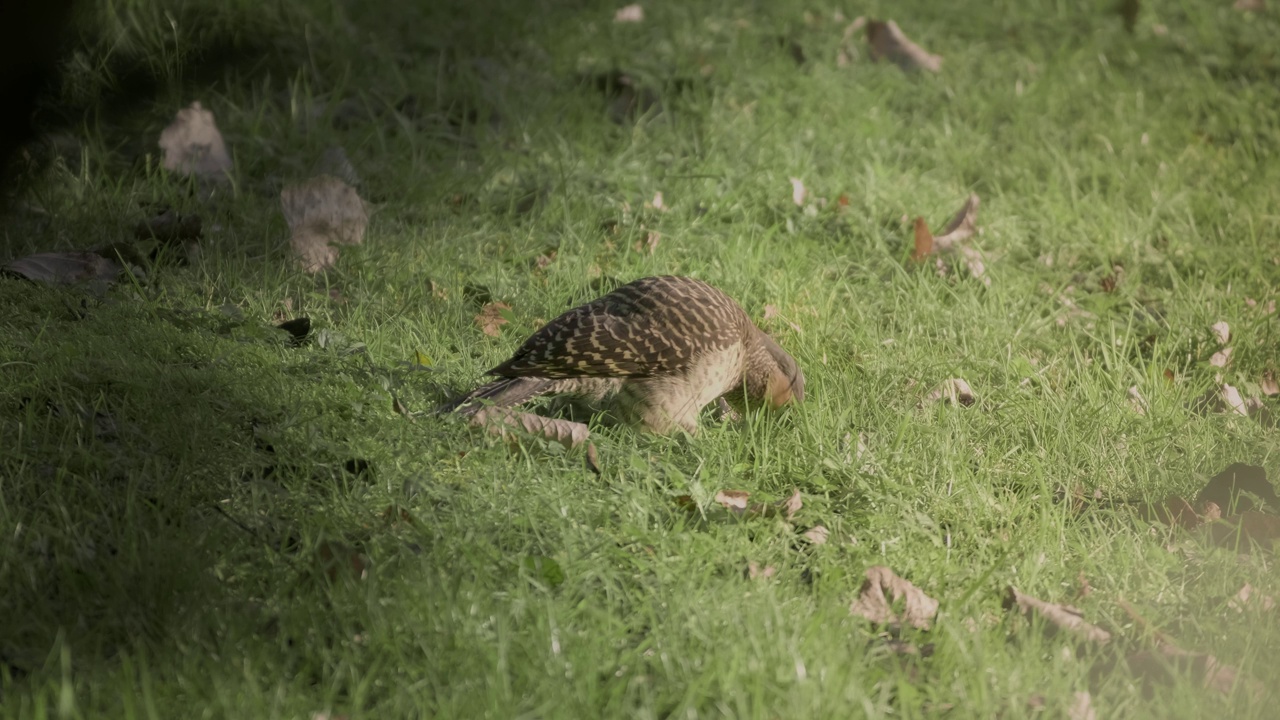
[{"x": 649, "y": 327}]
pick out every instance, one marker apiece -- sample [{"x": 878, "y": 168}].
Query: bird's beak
[{"x": 784, "y": 390}]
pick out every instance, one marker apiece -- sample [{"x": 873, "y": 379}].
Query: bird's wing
[{"x": 647, "y": 328}]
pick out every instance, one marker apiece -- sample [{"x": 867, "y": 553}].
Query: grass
[{"x": 171, "y": 471}]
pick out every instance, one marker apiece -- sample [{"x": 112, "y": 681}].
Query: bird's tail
[{"x": 503, "y": 393}]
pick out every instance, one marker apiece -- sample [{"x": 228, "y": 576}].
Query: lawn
[{"x": 205, "y": 519}]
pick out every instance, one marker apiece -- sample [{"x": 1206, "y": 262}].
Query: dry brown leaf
[
  {"x": 1250, "y": 5},
  {"x": 882, "y": 590},
  {"x": 1250, "y": 597},
  {"x": 64, "y": 268},
  {"x": 1085, "y": 589},
  {"x": 593, "y": 459},
  {"x": 1220, "y": 358},
  {"x": 1270, "y": 387},
  {"x": 633, "y": 13},
  {"x": 192, "y": 145},
  {"x": 1222, "y": 331},
  {"x": 924, "y": 240},
  {"x": 887, "y": 42},
  {"x": 322, "y": 212},
  {"x": 817, "y": 535},
  {"x": 1081, "y": 707},
  {"x": 798, "y": 192},
  {"x": 1062, "y": 617},
  {"x": 790, "y": 506},
  {"x": 501, "y": 421},
  {"x": 491, "y": 319},
  {"x": 755, "y": 572},
  {"x": 954, "y": 391},
  {"x": 733, "y": 500}
]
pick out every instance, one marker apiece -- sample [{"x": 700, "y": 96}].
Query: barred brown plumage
[{"x": 663, "y": 347}]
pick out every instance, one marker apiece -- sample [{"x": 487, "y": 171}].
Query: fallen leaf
[
  {"x": 1249, "y": 596},
  {"x": 649, "y": 244},
  {"x": 817, "y": 535},
  {"x": 755, "y": 572},
  {"x": 398, "y": 408},
  {"x": 1085, "y": 589},
  {"x": 500, "y": 421},
  {"x": 790, "y": 506},
  {"x": 593, "y": 459},
  {"x": 1270, "y": 387},
  {"x": 733, "y": 500},
  {"x": 657, "y": 202},
  {"x": 1220, "y": 358},
  {"x": 1250, "y": 5},
  {"x": 924, "y": 240},
  {"x": 1224, "y": 489},
  {"x": 192, "y": 145},
  {"x": 491, "y": 318},
  {"x": 1062, "y": 617},
  {"x": 888, "y": 42},
  {"x": 770, "y": 312},
  {"x": 882, "y": 590},
  {"x": 798, "y": 191},
  {"x": 954, "y": 391},
  {"x": 1081, "y": 707},
  {"x": 1221, "y": 331},
  {"x": 629, "y": 14},
  {"x": 321, "y": 212},
  {"x": 64, "y": 268}
]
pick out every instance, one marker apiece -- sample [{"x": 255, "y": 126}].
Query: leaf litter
[
  {"x": 65, "y": 268},
  {"x": 886, "y": 599},
  {"x": 886, "y": 41}
]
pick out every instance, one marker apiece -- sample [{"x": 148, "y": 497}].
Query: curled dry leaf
[
  {"x": 1222, "y": 331},
  {"x": 735, "y": 501},
  {"x": 1062, "y": 617},
  {"x": 882, "y": 590},
  {"x": 755, "y": 572},
  {"x": 193, "y": 145},
  {"x": 817, "y": 535},
  {"x": 593, "y": 459},
  {"x": 64, "y": 268},
  {"x": 887, "y": 42},
  {"x": 963, "y": 225},
  {"x": 322, "y": 212},
  {"x": 1220, "y": 358},
  {"x": 491, "y": 318},
  {"x": 500, "y": 421},
  {"x": 954, "y": 391},
  {"x": 633, "y": 13}
]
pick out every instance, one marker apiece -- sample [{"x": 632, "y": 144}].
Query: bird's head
[{"x": 779, "y": 378}]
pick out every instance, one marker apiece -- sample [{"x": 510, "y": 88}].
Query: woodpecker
[{"x": 659, "y": 348}]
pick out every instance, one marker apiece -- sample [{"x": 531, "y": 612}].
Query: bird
[{"x": 658, "y": 348}]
